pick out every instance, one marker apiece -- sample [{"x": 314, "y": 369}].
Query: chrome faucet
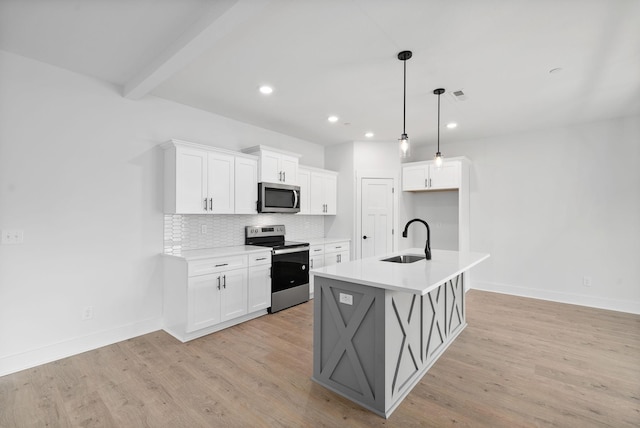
[{"x": 427, "y": 248}]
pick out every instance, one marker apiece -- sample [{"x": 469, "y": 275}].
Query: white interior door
[{"x": 377, "y": 216}]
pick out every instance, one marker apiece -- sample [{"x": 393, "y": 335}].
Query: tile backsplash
[{"x": 193, "y": 232}]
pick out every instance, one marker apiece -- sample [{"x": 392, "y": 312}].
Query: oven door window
[
  {"x": 289, "y": 270},
  {"x": 279, "y": 198}
]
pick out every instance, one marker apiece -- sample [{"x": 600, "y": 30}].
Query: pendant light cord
[
  {"x": 438, "y": 123},
  {"x": 404, "y": 99}
]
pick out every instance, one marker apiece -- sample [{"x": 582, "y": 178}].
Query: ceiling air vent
[{"x": 459, "y": 95}]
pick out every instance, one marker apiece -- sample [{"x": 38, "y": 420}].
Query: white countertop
[
  {"x": 207, "y": 253},
  {"x": 419, "y": 277},
  {"x": 322, "y": 241}
]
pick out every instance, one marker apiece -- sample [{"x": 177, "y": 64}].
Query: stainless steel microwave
[{"x": 278, "y": 198}]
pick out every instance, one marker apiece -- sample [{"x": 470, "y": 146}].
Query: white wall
[
  {"x": 339, "y": 158},
  {"x": 554, "y": 206},
  {"x": 81, "y": 174},
  {"x": 350, "y": 159}
]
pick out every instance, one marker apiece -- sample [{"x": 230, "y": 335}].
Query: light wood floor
[{"x": 520, "y": 362}]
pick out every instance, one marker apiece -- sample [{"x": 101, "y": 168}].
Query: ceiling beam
[{"x": 218, "y": 21}]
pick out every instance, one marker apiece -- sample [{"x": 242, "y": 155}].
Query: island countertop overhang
[{"x": 418, "y": 277}]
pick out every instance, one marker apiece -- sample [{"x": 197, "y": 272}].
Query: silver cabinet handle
[
  {"x": 311, "y": 263},
  {"x": 426, "y": 182},
  {"x": 429, "y": 182},
  {"x": 218, "y": 283},
  {"x": 224, "y": 281},
  {"x": 284, "y": 176},
  {"x": 339, "y": 258},
  {"x": 223, "y": 264},
  {"x": 280, "y": 174},
  {"x": 210, "y": 204},
  {"x": 340, "y": 246},
  {"x": 318, "y": 249},
  {"x": 205, "y": 204},
  {"x": 261, "y": 258}
]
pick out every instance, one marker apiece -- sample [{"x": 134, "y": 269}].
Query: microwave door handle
[{"x": 295, "y": 198}]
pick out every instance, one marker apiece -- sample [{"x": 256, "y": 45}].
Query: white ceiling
[{"x": 328, "y": 57}]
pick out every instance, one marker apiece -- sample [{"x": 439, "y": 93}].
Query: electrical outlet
[
  {"x": 87, "y": 313},
  {"x": 203, "y": 228},
  {"x": 586, "y": 281},
  {"x": 347, "y": 299},
  {"x": 11, "y": 237}
]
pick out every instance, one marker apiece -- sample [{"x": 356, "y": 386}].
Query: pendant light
[
  {"x": 438, "y": 157},
  {"x": 405, "y": 146}
]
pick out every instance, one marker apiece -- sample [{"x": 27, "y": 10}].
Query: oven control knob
[{"x": 304, "y": 267}]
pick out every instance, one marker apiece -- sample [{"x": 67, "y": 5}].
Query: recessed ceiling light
[
  {"x": 369, "y": 134},
  {"x": 332, "y": 119},
  {"x": 266, "y": 90},
  {"x": 452, "y": 125}
]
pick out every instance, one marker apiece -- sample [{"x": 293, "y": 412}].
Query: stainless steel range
[{"x": 289, "y": 265}]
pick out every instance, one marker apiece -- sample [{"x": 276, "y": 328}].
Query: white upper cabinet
[
  {"x": 220, "y": 182},
  {"x": 246, "y": 185},
  {"x": 321, "y": 188},
  {"x": 304, "y": 181},
  {"x": 204, "y": 180},
  {"x": 275, "y": 166},
  {"x": 417, "y": 176}
]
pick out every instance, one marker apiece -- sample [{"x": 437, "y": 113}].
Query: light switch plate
[
  {"x": 347, "y": 299},
  {"x": 10, "y": 237}
]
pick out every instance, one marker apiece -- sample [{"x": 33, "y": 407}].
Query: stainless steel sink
[{"x": 405, "y": 258}]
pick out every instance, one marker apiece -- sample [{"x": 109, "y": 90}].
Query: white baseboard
[
  {"x": 555, "y": 296},
  {"x": 35, "y": 357}
]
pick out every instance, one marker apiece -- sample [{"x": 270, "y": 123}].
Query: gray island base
[{"x": 379, "y": 326}]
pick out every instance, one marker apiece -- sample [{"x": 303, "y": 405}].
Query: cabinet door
[
  {"x": 445, "y": 177},
  {"x": 415, "y": 177},
  {"x": 331, "y": 194},
  {"x": 191, "y": 181},
  {"x": 220, "y": 183},
  {"x": 343, "y": 256},
  {"x": 289, "y": 168},
  {"x": 259, "y": 287},
  {"x": 233, "y": 300},
  {"x": 203, "y": 298},
  {"x": 270, "y": 167},
  {"x": 317, "y": 193},
  {"x": 315, "y": 262},
  {"x": 304, "y": 181},
  {"x": 246, "y": 186}
]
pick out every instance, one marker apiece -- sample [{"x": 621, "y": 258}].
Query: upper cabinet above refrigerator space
[{"x": 423, "y": 176}]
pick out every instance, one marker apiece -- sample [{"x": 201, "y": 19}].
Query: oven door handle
[{"x": 289, "y": 250}]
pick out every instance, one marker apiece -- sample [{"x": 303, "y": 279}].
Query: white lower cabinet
[
  {"x": 316, "y": 260},
  {"x": 321, "y": 255},
  {"x": 207, "y": 295},
  {"x": 215, "y": 298},
  {"x": 336, "y": 252},
  {"x": 259, "y": 293}
]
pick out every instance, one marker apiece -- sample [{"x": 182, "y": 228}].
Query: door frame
[{"x": 378, "y": 173}]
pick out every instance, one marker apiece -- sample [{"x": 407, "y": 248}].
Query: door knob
[{"x": 364, "y": 237}]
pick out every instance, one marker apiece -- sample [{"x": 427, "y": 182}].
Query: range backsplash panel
[{"x": 185, "y": 232}]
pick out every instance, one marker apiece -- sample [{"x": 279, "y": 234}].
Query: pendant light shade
[
  {"x": 405, "y": 145},
  {"x": 438, "y": 157}
]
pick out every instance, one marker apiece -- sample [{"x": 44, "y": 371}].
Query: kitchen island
[{"x": 380, "y": 325}]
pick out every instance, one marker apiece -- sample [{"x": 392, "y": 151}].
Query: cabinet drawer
[
  {"x": 316, "y": 250},
  {"x": 204, "y": 267},
  {"x": 260, "y": 259},
  {"x": 336, "y": 246}
]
